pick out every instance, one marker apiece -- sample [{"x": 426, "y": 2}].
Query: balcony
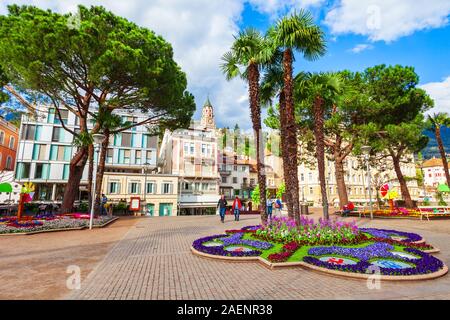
[{"x": 224, "y": 172}]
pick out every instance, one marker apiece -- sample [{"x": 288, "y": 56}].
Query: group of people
[{"x": 237, "y": 207}]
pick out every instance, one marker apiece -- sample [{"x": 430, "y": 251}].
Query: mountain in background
[{"x": 432, "y": 149}]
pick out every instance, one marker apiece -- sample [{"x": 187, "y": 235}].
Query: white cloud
[
  {"x": 200, "y": 32},
  {"x": 440, "y": 92},
  {"x": 386, "y": 20},
  {"x": 276, "y": 7},
  {"x": 361, "y": 47}
]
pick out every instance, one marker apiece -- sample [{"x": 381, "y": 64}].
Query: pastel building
[
  {"x": 433, "y": 172},
  {"x": 191, "y": 154},
  {"x": 46, "y": 148}
]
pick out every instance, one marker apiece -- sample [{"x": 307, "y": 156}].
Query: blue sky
[{"x": 360, "y": 34}]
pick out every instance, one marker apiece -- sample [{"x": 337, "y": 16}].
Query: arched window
[
  {"x": 12, "y": 141},
  {"x": 8, "y": 163}
]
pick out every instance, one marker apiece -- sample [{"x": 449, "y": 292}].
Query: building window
[
  {"x": 2, "y": 137},
  {"x": 151, "y": 187},
  {"x": 66, "y": 170},
  {"x": 109, "y": 155},
  {"x": 205, "y": 186},
  {"x": 64, "y": 116},
  {"x": 186, "y": 148},
  {"x": 224, "y": 180},
  {"x": 12, "y": 141},
  {"x": 23, "y": 170},
  {"x": 30, "y": 132},
  {"x": 134, "y": 188},
  {"x": 8, "y": 163},
  {"x": 42, "y": 171},
  {"x": 126, "y": 139},
  {"x": 149, "y": 156},
  {"x": 311, "y": 191},
  {"x": 39, "y": 151},
  {"x": 124, "y": 156},
  {"x": 167, "y": 188},
  {"x": 235, "y": 180},
  {"x": 137, "y": 157},
  {"x": 57, "y": 134},
  {"x": 204, "y": 149},
  {"x": 310, "y": 177},
  {"x": 192, "y": 148},
  {"x": 60, "y": 153},
  {"x": 114, "y": 187},
  {"x": 252, "y": 181}
]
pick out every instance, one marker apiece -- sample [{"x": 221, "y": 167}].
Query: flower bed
[
  {"x": 392, "y": 234},
  {"x": 10, "y": 225},
  {"x": 331, "y": 245}
]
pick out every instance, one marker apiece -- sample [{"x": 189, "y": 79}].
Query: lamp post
[
  {"x": 98, "y": 140},
  {"x": 366, "y": 151},
  {"x": 146, "y": 168}
]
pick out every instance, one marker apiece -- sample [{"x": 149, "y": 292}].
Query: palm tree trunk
[
  {"x": 401, "y": 180},
  {"x": 291, "y": 133},
  {"x": 100, "y": 172},
  {"x": 253, "y": 87},
  {"x": 285, "y": 155},
  {"x": 320, "y": 151},
  {"x": 437, "y": 133}
]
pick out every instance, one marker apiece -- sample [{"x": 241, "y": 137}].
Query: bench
[{"x": 427, "y": 211}]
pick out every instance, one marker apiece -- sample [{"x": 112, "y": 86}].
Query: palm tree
[
  {"x": 295, "y": 32},
  {"x": 434, "y": 123},
  {"x": 319, "y": 93},
  {"x": 249, "y": 52},
  {"x": 272, "y": 86}
]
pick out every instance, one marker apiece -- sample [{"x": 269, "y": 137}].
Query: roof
[{"x": 434, "y": 162}]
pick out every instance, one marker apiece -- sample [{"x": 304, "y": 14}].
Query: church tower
[{"x": 207, "y": 120}]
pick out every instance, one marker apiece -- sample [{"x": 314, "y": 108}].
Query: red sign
[
  {"x": 384, "y": 190},
  {"x": 335, "y": 261},
  {"x": 135, "y": 204}
]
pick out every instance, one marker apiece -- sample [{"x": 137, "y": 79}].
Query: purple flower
[
  {"x": 387, "y": 234},
  {"x": 219, "y": 250},
  {"x": 236, "y": 239}
]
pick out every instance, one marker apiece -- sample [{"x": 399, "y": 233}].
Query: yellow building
[{"x": 158, "y": 193}]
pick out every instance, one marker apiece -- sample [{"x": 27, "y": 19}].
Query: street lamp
[
  {"x": 98, "y": 140},
  {"x": 366, "y": 151},
  {"x": 146, "y": 169}
]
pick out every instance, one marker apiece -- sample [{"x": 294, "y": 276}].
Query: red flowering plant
[{"x": 287, "y": 251}]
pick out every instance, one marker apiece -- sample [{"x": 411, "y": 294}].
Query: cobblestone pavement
[{"x": 154, "y": 261}]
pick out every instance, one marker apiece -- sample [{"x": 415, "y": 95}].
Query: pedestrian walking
[
  {"x": 222, "y": 207},
  {"x": 269, "y": 206},
  {"x": 104, "y": 201},
  {"x": 236, "y": 207},
  {"x": 278, "y": 206}
]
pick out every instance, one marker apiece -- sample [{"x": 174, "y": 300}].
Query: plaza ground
[{"x": 150, "y": 258}]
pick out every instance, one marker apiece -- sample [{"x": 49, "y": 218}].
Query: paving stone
[{"x": 154, "y": 261}]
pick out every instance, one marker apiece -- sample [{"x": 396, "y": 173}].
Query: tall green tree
[
  {"x": 296, "y": 32},
  {"x": 343, "y": 128},
  {"x": 104, "y": 64},
  {"x": 434, "y": 123},
  {"x": 250, "y": 52},
  {"x": 396, "y": 119}
]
